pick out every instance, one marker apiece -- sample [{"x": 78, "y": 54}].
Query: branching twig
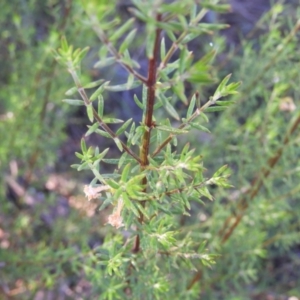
[
  {"x": 87, "y": 102},
  {"x": 256, "y": 185},
  {"x": 102, "y": 36},
  {"x": 182, "y": 126}
]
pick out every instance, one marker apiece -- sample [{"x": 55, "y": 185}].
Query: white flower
[
  {"x": 115, "y": 218},
  {"x": 94, "y": 192}
]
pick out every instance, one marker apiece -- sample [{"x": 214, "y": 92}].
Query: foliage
[
  {"x": 165, "y": 238},
  {"x": 152, "y": 184}
]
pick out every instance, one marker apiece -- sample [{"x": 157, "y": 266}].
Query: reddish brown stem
[{"x": 144, "y": 152}]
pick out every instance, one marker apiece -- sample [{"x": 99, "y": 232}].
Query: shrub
[{"x": 164, "y": 238}]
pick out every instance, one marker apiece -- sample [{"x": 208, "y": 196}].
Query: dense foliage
[{"x": 157, "y": 126}]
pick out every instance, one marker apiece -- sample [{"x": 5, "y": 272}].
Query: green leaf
[
  {"x": 179, "y": 90},
  {"x": 75, "y": 166},
  {"x": 64, "y": 44},
  {"x": 137, "y": 101},
  {"x": 139, "y": 132},
  {"x": 184, "y": 151},
  {"x": 97, "y": 93},
  {"x": 130, "y": 134},
  {"x": 139, "y": 14},
  {"x": 100, "y": 106},
  {"x": 75, "y": 102},
  {"x": 83, "y": 146},
  {"x": 189, "y": 37},
  {"x": 122, "y": 160},
  {"x": 92, "y": 129},
  {"x": 182, "y": 59},
  {"x": 113, "y": 184},
  {"x": 143, "y": 210},
  {"x": 126, "y": 59},
  {"x": 122, "y": 87},
  {"x": 71, "y": 91},
  {"x": 204, "y": 116},
  {"x": 111, "y": 175},
  {"x": 167, "y": 105},
  {"x": 171, "y": 129},
  {"x": 115, "y": 161},
  {"x": 84, "y": 166},
  {"x": 103, "y": 133},
  {"x": 123, "y": 127},
  {"x": 221, "y": 87},
  {"x": 151, "y": 34},
  {"x": 205, "y": 192},
  {"x": 79, "y": 155},
  {"x": 93, "y": 84},
  {"x": 220, "y": 171},
  {"x": 121, "y": 30},
  {"x": 199, "y": 127},
  {"x": 215, "y": 108},
  {"x": 119, "y": 144},
  {"x": 112, "y": 121},
  {"x": 101, "y": 155},
  {"x": 162, "y": 49},
  {"x": 108, "y": 61},
  {"x": 130, "y": 205},
  {"x": 90, "y": 113},
  {"x": 128, "y": 41},
  {"x": 221, "y": 8},
  {"x": 209, "y": 27},
  {"x": 125, "y": 173},
  {"x": 191, "y": 107},
  {"x": 105, "y": 203},
  {"x": 225, "y": 103},
  {"x": 80, "y": 55},
  {"x": 144, "y": 95}
]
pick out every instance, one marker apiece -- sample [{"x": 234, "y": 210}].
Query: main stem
[{"x": 148, "y": 121}]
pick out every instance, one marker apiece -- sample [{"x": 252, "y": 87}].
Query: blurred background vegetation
[{"x": 48, "y": 229}]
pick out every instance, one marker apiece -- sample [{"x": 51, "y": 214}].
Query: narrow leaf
[
  {"x": 100, "y": 106},
  {"x": 71, "y": 91},
  {"x": 220, "y": 171},
  {"x": 122, "y": 87},
  {"x": 129, "y": 204},
  {"x": 215, "y": 108},
  {"x": 125, "y": 173},
  {"x": 92, "y": 129},
  {"x": 119, "y": 144},
  {"x": 103, "y": 133},
  {"x": 121, "y": 30},
  {"x": 93, "y": 84},
  {"x": 138, "y": 102},
  {"x": 97, "y": 93},
  {"x": 191, "y": 107},
  {"x": 83, "y": 146},
  {"x": 199, "y": 127},
  {"x": 123, "y": 127},
  {"x": 108, "y": 61},
  {"x": 112, "y": 121},
  {"x": 122, "y": 159},
  {"x": 167, "y": 105},
  {"x": 75, "y": 102},
  {"x": 171, "y": 129},
  {"x": 162, "y": 49},
  {"x": 102, "y": 154},
  {"x": 128, "y": 40},
  {"x": 89, "y": 110},
  {"x": 224, "y": 103}
]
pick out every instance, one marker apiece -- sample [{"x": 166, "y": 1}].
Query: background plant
[{"x": 257, "y": 256}]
